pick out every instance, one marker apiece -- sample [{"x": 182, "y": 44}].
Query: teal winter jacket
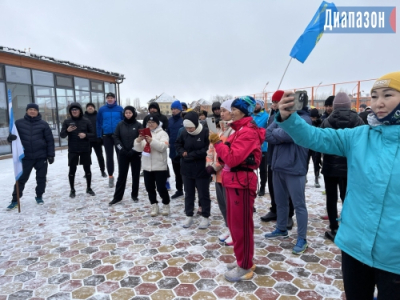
[
  {"x": 261, "y": 120},
  {"x": 370, "y": 216}
]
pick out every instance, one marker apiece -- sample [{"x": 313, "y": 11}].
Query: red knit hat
[{"x": 277, "y": 96}]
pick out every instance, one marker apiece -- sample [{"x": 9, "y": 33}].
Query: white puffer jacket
[{"x": 157, "y": 161}]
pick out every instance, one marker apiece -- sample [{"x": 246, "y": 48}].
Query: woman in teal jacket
[{"x": 368, "y": 235}]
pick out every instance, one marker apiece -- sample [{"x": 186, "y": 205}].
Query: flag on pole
[
  {"x": 313, "y": 33},
  {"x": 17, "y": 148}
]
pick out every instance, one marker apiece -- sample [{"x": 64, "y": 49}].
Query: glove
[
  {"x": 11, "y": 137},
  {"x": 50, "y": 159},
  {"x": 99, "y": 141},
  {"x": 210, "y": 170},
  {"x": 214, "y": 138}
]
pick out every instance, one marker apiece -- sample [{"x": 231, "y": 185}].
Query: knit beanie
[
  {"x": 131, "y": 108},
  {"x": 154, "y": 118},
  {"x": 191, "y": 119},
  {"x": 227, "y": 105},
  {"x": 245, "y": 104},
  {"x": 32, "y": 105},
  {"x": 277, "y": 96},
  {"x": 154, "y": 105},
  {"x": 184, "y": 105},
  {"x": 329, "y": 101},
  {"x": 341, "y": 101},
  {"x": 176, "y": 104},
  {"x": 390, "y": 80},
  {"x": 261, "y": 102},
  {"x": 215, "y": 105},
  {"x": 314, "y": 113},
  {"x": 90, "y": 104}
]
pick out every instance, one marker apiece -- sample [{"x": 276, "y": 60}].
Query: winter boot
[
  {"x": 154, "y": 209},
  {"x": 114, "y": 201},
  {"x": 110, "y": 181},
  {"x": 39, "y": 200},
  {"x": 261, "y": 192},
  {"x": 188, "y": 222},
  {"x": 317, "y": 185},
  {"x": 204, "y": 223},
  {"x": 165, "y": 211},
  {"x": 239, "y": 274},
  {"x": 103, "y": 174},
  {"x": 72, "y": 185},
  {"x": 72, "y": 193}
]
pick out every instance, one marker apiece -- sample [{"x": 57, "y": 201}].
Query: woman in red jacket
[{"x": 241, "y": 155}]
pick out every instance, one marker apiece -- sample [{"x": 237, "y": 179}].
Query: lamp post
[
  {"x": 264, "y": 90},
  {"x": 315, "y": 94}
]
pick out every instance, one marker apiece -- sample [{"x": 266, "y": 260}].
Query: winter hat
[
  {"x": 203, "y": 112},
  {"x": 314, "y": 113},
  {"x": 277, "y": 96},
  {"x": 363, "y": 106},
  {"x": 245, "y": 104},
  {"x": 154, "y": 118},
  {"x": 391, "y": 80},
  {"x": 329, "y": 101},
  {"x": 261, "y": 102},
  {"x": 32, "y": 105},
  {"x": 154, "y": 105},
  {"x": 176, "y": 104},
  {"x": 110, "y": 95},
  {"x": 215, "y": 105},
  {"x": 341, "y": 101},
  {"x": 90, "y": 104},
  {"x": 131, "y": 108},
  {"x": 191, "y": 119},
  {"x": 184, "y": 105},
  {"x": 227, "y": 105}
]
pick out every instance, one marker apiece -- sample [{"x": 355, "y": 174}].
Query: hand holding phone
[
  {"x": 300, "y": 101},
  {"x": 71, "y": 127}
]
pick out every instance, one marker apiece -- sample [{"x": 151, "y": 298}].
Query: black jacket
[
  {"x": 161, "y": 117},
  {"x": 270, "y": 146},
  {"x": 125, "y": 133},
  {"x": 196, "y": 146},
  {"x": 75, "y": 143},
  {"x": 92, "y": 118},
  {"x": 36, "y": 137},
  {"x": 333, "y": 165},
  {"x": 364, "y": 116}
]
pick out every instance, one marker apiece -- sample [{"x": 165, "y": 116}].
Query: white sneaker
[
  {"x": 165, "y": 210},
  {"x": 204, "y": 223},
  {"x": 229, "y": 241},
  {"x": 154, "y": 210},
  {"x": 224, "y": 236},
  {"x": 188, "y": 222}
]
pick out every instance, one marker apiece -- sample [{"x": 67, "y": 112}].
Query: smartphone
[
  {"x": 300, "y": 100},
  {"x": 145, "y": 131},
  {"x": 212, "y": 125},
  {"x": 72, "y": 124}
]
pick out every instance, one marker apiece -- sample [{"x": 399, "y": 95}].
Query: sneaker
[
  {"x": 316, "y": 182},
  {"x": 154, "y": 210},
  {"x": 90, "y": 192},
  {"x": 330, "y": 235},
  {"x": 204, "y": 223},
  {"x": 277, "y": 234},
  {"x": 168, "y": 186},
  {"x": 229, "y": 241},
  {"x": 165, "y": 210},
  {"x": 72, "y": 194},
  {"x": 238, "y": 274},
  {"x": 224, "y": 236},
  {"x": 261, "y": 192},
  {"x": 300, "y": 247},
  {"x": 188, "y": 222},
  {"x": 111, "y": 181},
  {"x": 135, "y": 199},
  {"x": 39, "y": 200},
  {"x": 270, "y": 216},
  {"x": 234, "y": 264},
  {"x": 103, "y": 174},
  {"x": 114, "y": 201},
  {"x": 12, "y": 205},
  {"x": 177, "y": 195}
]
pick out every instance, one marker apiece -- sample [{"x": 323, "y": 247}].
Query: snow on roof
[
  {"x": 199, "y": 102},
  {"x": 165, "y": 98},
  {"x": 60, "y": 62}
]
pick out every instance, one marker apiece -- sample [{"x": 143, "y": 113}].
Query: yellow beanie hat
[{"x": 390, "y": 80}]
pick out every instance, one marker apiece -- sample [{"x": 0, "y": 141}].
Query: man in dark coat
[
  {"x": 154, "y": 108},
  {"x": 216, "y": 109},
  {"x": 79, "y": 131},
  {"x": 95, "y": 142},
  {"x": 328, "y": 107},
  {"x": 38, "y": 143},
  {"x": 364, "y": 115},
  {"x": 334, "y": 168}
]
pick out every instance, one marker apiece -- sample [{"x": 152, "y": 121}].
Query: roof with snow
[
  {"x": 165, "y": 98},
  {"x": 199, "y": 103},
  {"x": 59, "y": 62}
]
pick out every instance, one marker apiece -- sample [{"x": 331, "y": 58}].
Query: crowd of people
[{"x": 351, "y": 150}]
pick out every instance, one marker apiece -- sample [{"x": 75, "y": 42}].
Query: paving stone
[
  {"x": 60, "y": 296},
  {"x": 185, "y": 290},
  {"x": 245, "y": 286},
  {"x": 334, "y": 273},
  {"x": 145, "y": 289},
  {"x": 21, "y": 295},
  {"x": 191, "y": 267},
  {"x": 25, "y": 276},
  {"x": 206, "y": 284},
  {"x": 286, "y": 288},
  {"x": 91, "y": 264},
  {"x": 59, "y": 278},
  {"x": 98, "y": 296},
  {"x": 28, "y": 261},
  {"x": 267, "y": 294},
  {"x": 94, "y": 280},
  {"x": 70, "y": 285},
  {"x": 59, "y": 262},
  {"x": 83, "y": 292},
  {"x": 124, "y": 265}
]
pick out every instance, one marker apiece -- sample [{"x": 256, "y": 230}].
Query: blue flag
[{"x": 313, "y": 33}]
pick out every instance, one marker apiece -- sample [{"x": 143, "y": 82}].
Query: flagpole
[
  {"x": 284, "y": 72},
  {"x": 17, "y": 189}
]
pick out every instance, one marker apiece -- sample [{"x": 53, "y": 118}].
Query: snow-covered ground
[{"x": 82, "y": 248}]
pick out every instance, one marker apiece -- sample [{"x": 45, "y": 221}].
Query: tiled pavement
[{"x": 84, "y": 249}]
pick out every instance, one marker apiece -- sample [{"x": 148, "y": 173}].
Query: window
[
  {"x": 4, "y": 145},
  {"x": 109, "y": 87},
  {"x": 43, "y": 78},
  {"x": 45, "y": 98},
  {"x": 82, "y": 98},
  {"x": 21, "y": 96},
  {"x": 18, "y": 75},
  {"x": 1, "y": 73},
  {"x": 64, "y": 81},
  {"x": 82, "y": 84},
  {"x": 98, "y": 99},
  {"x": 64, "y": 98},
  {"x": 97, "y": 86}
]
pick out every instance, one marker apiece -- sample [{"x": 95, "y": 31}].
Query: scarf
[
  {"x": 392, "y": 118},
  {"x": 197, "y": 131}
]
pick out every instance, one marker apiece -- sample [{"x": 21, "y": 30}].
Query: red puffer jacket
[{"x": 247, "y": 139}]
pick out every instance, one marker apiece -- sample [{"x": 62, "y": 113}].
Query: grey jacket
[{"x": 287, "y": 157}]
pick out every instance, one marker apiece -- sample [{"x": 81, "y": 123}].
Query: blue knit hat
[
  {"x": 245, "y": 104},
  {"x": 261, "y": 102},
  {"x": 176, "y": 104},
  {"x": 184, "y": 105}
]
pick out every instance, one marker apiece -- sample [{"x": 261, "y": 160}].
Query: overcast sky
[{"x": 196, "y": 48}]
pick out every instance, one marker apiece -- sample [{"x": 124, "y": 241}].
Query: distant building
[
  {"x": 51, "y": 83},
  {"x": 200, "y": 105},
  {"x": 164, "y": 101}
]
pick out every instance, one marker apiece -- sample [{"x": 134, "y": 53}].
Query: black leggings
[
  {"x": 360, "y": 280},
  {"x": 72, "y": 170}
]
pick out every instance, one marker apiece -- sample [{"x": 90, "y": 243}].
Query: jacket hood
[
  {"x": 343, "y": 118},
  {"x": 249, "y": 122},
  {"x": 154, "y": 105},
  {"x": 75, "y": 105}
]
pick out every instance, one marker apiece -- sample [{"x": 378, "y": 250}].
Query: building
[
  {"x": 164, "y": 101},
  {"x": 201, "y": 105},
  {"x": 51, "y": 83}
]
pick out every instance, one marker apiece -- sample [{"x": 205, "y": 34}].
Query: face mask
[{"x": 391, "y": 119}]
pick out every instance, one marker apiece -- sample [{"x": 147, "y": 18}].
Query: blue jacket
[
  {"x": 370, "y": 213},
  {"x": 287, "y": 157},
  {"x": 174, "y": 124},
  {"x": 108, "y": 118},
  {"x": 261, "y": 120}
]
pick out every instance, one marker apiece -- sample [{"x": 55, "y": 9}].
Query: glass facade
[{"x": 52, "y": 92}]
